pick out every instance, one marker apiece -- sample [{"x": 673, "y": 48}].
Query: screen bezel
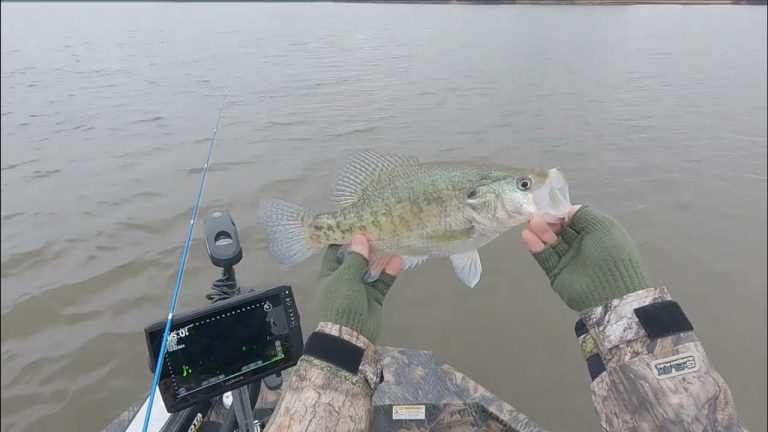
[{"x": 175, "y": 403}]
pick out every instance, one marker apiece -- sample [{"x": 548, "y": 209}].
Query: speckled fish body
[
  {"x": 413, "y": 210},
  {"x": 418, "y": 210}
]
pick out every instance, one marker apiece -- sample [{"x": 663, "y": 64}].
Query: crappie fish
[{"x": 418, "y": 210}]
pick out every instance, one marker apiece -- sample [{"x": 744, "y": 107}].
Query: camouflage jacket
[
  {"x": 640, "y": 383},
  {"x": 322, "y": 397},
  {"x": 662, "y": 382}
]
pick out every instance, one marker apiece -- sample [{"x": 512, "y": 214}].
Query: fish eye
[
  {"x": 524, "y": 183},
  {"x": 472, "y": 194}
]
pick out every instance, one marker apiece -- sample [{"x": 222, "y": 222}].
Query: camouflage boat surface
[
  {"x": 419, "y": 392},
  {"x": 417, "y": 382}
]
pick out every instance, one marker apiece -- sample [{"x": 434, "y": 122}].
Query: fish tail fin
[{"x": 287, "y": 225}]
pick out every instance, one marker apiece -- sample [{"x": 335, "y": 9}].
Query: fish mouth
[{"x": 552, "y": 199}]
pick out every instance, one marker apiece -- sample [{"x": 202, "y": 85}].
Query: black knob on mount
[{"x": 221, "y": 239}]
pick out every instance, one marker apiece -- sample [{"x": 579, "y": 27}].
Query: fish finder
[
  {"x": 236, "y": 341},
  {"x": 225, "y": 346}
]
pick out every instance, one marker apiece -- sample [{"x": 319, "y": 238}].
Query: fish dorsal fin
[
  {"x": 361, "y": 170},
  {"x": 467, "y": 267}
]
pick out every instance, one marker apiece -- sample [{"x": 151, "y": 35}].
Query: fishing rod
[{"x": 182, "y": 266}]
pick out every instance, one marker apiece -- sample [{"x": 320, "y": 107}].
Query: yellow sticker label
[{"x": 408, "y": 412}]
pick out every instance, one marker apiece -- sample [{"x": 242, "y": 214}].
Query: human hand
[
  {"x": 345, "y": 299},
  {"x": 589, "y": 261}
]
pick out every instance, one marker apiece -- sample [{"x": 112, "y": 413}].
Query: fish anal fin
[
  {"x": 467, "y": 267},
  {"x": 413, "y": 261}
]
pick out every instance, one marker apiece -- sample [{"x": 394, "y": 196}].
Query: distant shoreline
[
  {"x": 568, "y": 2},
  {"x": 484, "y": 2}
]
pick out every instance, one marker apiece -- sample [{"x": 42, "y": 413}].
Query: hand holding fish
[
  {"x": 589, "y": 261},
  {"x": 344, "y": 298}
]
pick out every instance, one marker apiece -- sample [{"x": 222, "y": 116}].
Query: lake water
[{"x": 657, "y": 115}]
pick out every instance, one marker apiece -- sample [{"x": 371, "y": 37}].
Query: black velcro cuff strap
[
  {"x": 580, "y": 328},
  {"x": 334, "y": 350},
  {"x": 595, "y": 366},
  {"x": 663, "y": 318}
]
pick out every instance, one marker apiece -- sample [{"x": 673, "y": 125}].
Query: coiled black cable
[{"x": 224, "y": 287}]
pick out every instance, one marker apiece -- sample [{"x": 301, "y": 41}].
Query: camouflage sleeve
[
  {"x": 323, "y": 397},
  {"x": 643, "y": 383}
]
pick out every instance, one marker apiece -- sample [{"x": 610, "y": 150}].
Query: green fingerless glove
[
  {"x": 345, "y": 299},
  {"x": 593, "y": 262}
]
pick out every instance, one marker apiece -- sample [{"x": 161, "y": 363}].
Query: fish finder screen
[{"x": 224, "y": 348}]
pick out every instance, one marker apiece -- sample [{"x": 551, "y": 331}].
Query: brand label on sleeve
[{"x": 675, "y": 366}]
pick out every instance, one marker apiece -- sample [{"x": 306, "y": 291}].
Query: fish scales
[
  {"x": 401, "y": 210},
  {"x": 418, "y": 210}
]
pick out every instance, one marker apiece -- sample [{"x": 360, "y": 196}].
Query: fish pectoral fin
[
  {"x": 412, "y": 261},
  {"x": 452, "y": 236},
  {"x": 467, "y": 267},
  {"x": 360, "y": 171}
]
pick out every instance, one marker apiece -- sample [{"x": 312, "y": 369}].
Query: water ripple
[
  {"x": 18, "y": 164},
  {"x": 352, "y": 131}
]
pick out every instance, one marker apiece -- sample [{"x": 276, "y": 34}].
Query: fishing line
[{"x": 182, "y": 265}]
